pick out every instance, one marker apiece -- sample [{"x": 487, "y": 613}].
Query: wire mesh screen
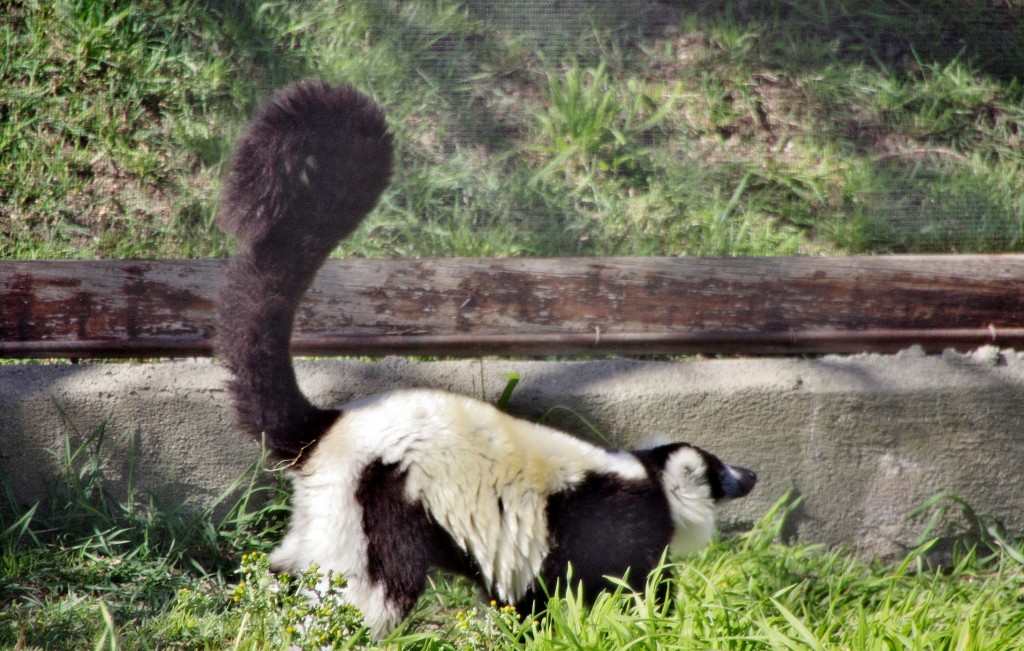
[
  {"x": 557, "y": 23},
  {"x": 533, "y": 127},
  {"x": 567, "y": 127}
]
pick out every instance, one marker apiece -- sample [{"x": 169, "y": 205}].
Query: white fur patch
[
  {"x": 689, "y": 499},
  {"x": 482, "y": 475}
]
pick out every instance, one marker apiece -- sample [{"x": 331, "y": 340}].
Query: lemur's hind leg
[{"x": 400, "y": 547}]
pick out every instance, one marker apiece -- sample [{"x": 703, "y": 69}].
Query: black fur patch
[
  {"x": 403, "y": 542},
  {"x": 715, "y": 474},
  {"x": 654, "y": 459},
  {"x": 604, "y": 526},
  {"x": 727, "y": 482}
]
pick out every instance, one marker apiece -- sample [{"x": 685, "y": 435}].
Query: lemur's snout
[{"x": 737, "y": 482}]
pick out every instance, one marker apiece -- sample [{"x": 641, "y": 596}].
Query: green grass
[
  {"x": 776, "y": 127},
  {"x": 91, "y": 570}
]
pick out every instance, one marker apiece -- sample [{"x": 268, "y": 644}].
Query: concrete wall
[{"x": 863, "y": 439}]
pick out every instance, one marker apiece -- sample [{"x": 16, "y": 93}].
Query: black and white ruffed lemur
[{"x": 390, "y": 485}]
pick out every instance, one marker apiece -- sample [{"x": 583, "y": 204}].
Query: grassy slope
[{"x": 778, "y": 127}]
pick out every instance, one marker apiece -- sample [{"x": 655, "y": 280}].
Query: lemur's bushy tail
[{"x": 305, "y": 173}]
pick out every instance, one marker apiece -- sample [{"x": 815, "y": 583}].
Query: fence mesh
[{"x": 728, "y": 128}]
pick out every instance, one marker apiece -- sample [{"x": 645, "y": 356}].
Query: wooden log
[{"x": 459, "y": 306}]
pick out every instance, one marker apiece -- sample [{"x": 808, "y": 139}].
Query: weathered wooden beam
[{"x": 517, "y": 306}]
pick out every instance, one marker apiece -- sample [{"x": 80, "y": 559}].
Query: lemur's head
[{"x": 694, "y": 481}]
